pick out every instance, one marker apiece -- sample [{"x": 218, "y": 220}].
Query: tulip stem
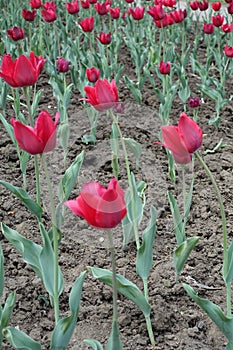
[
  {"x": 129, "y": 180},
  {"x": 37, "y": 180},
  {"x": 224, "y": 229},
  {"x": 114, "y": 280},
  {"x": 55, "y": 240}
]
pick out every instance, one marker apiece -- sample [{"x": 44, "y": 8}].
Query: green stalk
[
  {"x": 55, "y": 239},
  {"x": 129, "y": 180},
  {"x": 114, "y": 280},
  {"x": 148, "y": 320},
  {"x": 224, "y": 228}
]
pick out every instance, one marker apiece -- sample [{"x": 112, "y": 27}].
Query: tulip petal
[
  {"x": 7, "y": 70},
  {"x": 172, "y": 140},
  {"x": 94, "y": 188},
  {"x": 91, "y": 96},
  {"x": 74, "y": 205},
  {"x": 26, "y": 138},
  {"x": 104, "y": 92},
  {"x": 45, "y": 129},
  {"x": 190, "y": 133},
  {"x": 24, "y": 74}
]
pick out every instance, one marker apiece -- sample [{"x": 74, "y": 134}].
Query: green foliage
[
  {"x": 19, "y": 340},
  {"x": 124, "y": 286},
  {"x": 182, "y": 253},
  {"x": 65, "y": 327},
  {"x": 94, "y": 344},
  {"x": 114, "y": 341}
]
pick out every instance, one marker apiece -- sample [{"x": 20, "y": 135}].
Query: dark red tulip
[
  {"x": 157, "y": 12},
  {"x": 115, "y": 12},
  {"x": 165, "y": 67},
  {"x": 85, "y": 4},
  {"x": 194, "y": 102},
  {"x": 182, "y": 140},
  {"x": 41, "y": 138},
  {"x": 101, "y": 207},
  {"x": 103, "y": 95},
  {"x": 87, "y": 24},
  {"x": 102, "y": 8},
  {"x": 208, "y": 28},
  {"x": 227, "y": 28},
  {"x": 179, "y": 15},
  {"x": 105, "y": 38},
  {"x": 203, "y": 6},
  {"x": 29, "y": 15},
  {"x": 216, "y": 6},
  {"x": 23, "y": 71},
  {"x": 63, "y": 65},
  {"x": 169, "y": 3},
  {"x": 16, "y": 33},
  {"x": 230, "y": 8},
  {"x": 35, "y": 4},
  {"x": 137, "y": 13},
  {"x": 92, "y": 74},
  {"x": 217, "y": 20},
  {"x": 228, "y": 51},
  {"x": 72, "y": 7},
  {"x": 194, "y": 5}
]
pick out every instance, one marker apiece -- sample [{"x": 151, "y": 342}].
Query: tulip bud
[
  {"x": 165, "y": 67},
  {"x": 16, "y": 33},
  {"x": 92, "y": 74},
  {"x": 62, "y": 65}
]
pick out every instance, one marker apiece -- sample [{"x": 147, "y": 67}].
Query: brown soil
[{"x": 177, "y": 322}]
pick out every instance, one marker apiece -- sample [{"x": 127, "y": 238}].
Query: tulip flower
[
  {"x": 72, "y": 7},
  {"x": 103, "y": 8},
  {"x": 194, "y": 5},
  {"x": 167, "y": 20},
  {"x": 92, "y": 74},
  {"x": 100, "y": 207},
  {"x": 157, "y": 12},
  {"x": 169, "y": 3},
  {"x": 216, "y": 6},
  {"x": 23, "y": 71},
  {"x": 41, "y": 138},
  {"x": 103, "y": 95},
  {"x": 35, "y": 4},
  {"x": 208, "y": 28},
  {"x": 194, "y": 102},
  {"x": 16, "y": 33},
  {"x": 203, "y": 6},
  {"x": 105, "y": 38},
  {"x": 29, "y": 16},
  {"x": 92, "y": 1},
  {"x": 179, "y": 15},
  {"x": 49, "y": 15},
  {"x": 182, "y": 140},
  {"x": 62, "y": 65},
  {"x": 217, "y": 20},
  {"x": 228, "y": 51},
  {"x": 165, "y": 67},
  {"x": 87, "y": 24},
  {"x": 115, "y": 12},
  {"x": 85, "y": 4},
  {"x": 227, "y": 28},
  {"x": 230, "y": 8},
  {"x": 137, "y": 13}
]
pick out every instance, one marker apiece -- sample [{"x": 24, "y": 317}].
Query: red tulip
[
  {"x": 216, "y": 6},
  {"x": 29, "y": 15},
  {"x": 103, "y": 95},
  {"x": 41, "y": 138},
  {"x": 230, "y": 9},
  {"x": 157, "y": 12},
  {"x": 72, "y": 7},
  {"x": 62, "y": 65},
  {"x": 35, "y": 4},
  {"x": 115, "y": 12},
  {"x": 49, "y": 5},
  {"x": 169, "y": 3},
  {"x": 217, "y": 20},
  {"x": 85, "y": 4},
  {"x": 194, "y": 102},
  {"x": 228, "y": 51},
  {"x": 129, "y": 1},
  {"x": 179, "y": 15},
  {"x": 92, "y": 74},
  {"x": 23, "y": 71},
  {"x": 105, "y": 38},
  {"x": 165, "y": 67},
  {"x": 208, "y": 28},
  {"x": 100, "y": 207},
  {"x": 203, "y": 6},
  {"x": 49, "y": 15},
  {"x": 92, "y": 1},
  {"x": 182, "y": 140},
  {"x": 137, "y": 13},
  {"x": 227, "y": 28},
  {"x": 103, "y": 8},
  {"x": 194, "y": 5},
  {"x": 87, "y": 24},
  {"x": 16, "y": 33},
  {"x": 166, "y": 21}
]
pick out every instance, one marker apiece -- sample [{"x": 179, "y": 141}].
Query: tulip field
[{"x": 116, "y": 181}]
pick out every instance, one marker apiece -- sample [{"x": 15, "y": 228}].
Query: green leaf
[
  {"x": 94, "y": 344},
  {"x": 24, "y": 197},
  {"x": 144, "y": 260},
  {"x": 67, "y": 94},
  {"x": 229, "y": 346},
  {"x": 178, "y": 223},
  {"x": 1, "y": 271},
  {"x": 8, "y": 309},
  {"x": 47, "y": 265},
  {"x": 36, "y": 100},
  {"x": 228, "y": 270},
  {"x": 124, "y": 286},
  {"x": 9, "y": 128},
  {"x": 19, "y": 340},
  {"x": 69, "y": 179},
  {"x": 135, "y": 91},
  {"x": 114, "y": 341},
  {"x": 30, "y": 251},
  {"x": 135, "y": 148},
  {"x": 182, "y": 253},
  {"x": 65, "y": 327},
  {"x": 224, "y": 323}
]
